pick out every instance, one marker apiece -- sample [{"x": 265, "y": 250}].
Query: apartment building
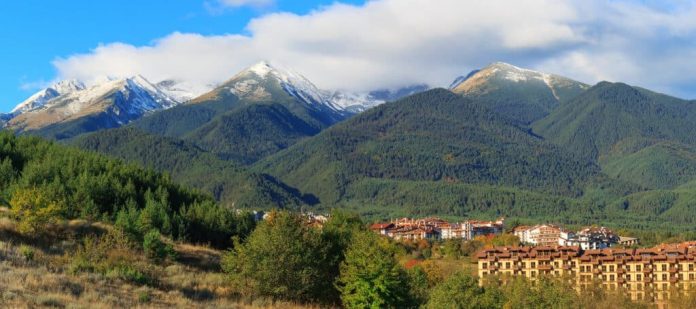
[{"x": 645, "y": 274}]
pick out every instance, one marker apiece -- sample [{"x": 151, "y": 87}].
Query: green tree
[
  {"x": 371, "y": 276},
  {"x": 338, "y": 233},
  {"x": 7, "y": 173},
  {"x": 282, "y": 259},
  {"x": 155, "y": 248},
  {"x": 462, "y": 291}
]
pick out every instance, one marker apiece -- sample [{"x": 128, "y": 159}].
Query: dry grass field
[{"x": 48, "y": 274}]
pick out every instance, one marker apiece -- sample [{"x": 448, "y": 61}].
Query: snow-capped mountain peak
[
  {"x": 40, "y": 98},
  {"x": 256, "y": 83},
  {"x": 505, "y": 72},
  {"x": 68, "y": 86},
  {"x": 115, "y": 101}
]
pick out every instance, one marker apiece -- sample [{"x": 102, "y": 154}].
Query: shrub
[
  {"x": 155, "y": 248},
  {"x": 128, "y": 273},
  {"x": 26, "y": 252}
]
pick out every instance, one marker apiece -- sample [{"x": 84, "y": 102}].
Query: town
[{"x": 538, "y": 235}]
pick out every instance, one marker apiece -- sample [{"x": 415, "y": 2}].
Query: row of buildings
[
  {"x": 436, "y": 228},
  {"x": 645, "y": 274},
  {"x": 587, "y": 239}
]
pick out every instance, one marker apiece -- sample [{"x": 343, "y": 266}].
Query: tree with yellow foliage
[{"x": 34, "y": 210}]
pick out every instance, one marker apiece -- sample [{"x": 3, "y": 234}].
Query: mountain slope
[
  {"x": 258, "y": 112},
  {"x": 591, "y": 124},
  {"x": 434, "y": 136},
  {"x": 250, "y": 133},
  {"x": 520, "y": 94},
  {"x": 187, "y": 164},
  {"x": 105, "y": 105},
  {"x": 633, "y": 133},
  {"x": 40, "y": 98}
]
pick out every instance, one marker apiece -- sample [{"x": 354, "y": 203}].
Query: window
[
  {"x": 533, "y": 273},
  {"x": 507, "y": 265},
  {"x": 484, "y": 265},
  {"x": 611, "y": 277},
  {"x": 691, "y": 267},
  {"x": 533, "y": 265},
  {"x": 664, "y": 277},
  {"x": 691, "y": 276},
  {"x": 639, "y": 277},
  {"x": 604, "y": 268},
  {"x": 664, "y": 267},
  {"x": 556, "y": 273},
  {"x": 611, "y": 267},
  {"x": 638, "y": 267}
]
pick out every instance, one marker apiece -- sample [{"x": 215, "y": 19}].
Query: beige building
[
  {"x": 645, "y": 274},
  {"x": 539, "y": 235}
]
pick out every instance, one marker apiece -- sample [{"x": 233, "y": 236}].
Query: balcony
[
  {"x": 544, "y": 267},
  {"x": 673, "y": 280},
  {"x": 621, "y": 270},
  {"x": 647, "y": 279},
  {"x": 673, "y": 270}
]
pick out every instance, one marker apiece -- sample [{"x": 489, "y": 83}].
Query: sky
[{"x": 346, "y": 45}]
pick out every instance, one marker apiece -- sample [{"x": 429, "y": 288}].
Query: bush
[
  {"x": 26, "y": 252},
  {"x": 155, "y": 248},
  {"x": 128, "y": 273}
]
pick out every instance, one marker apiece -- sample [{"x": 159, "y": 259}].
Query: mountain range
[{"x": 501, "y": 140}]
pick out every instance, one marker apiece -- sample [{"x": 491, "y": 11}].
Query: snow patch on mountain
[
  {"x": 357, "y": 102},
  {"x": 182, "y": 91},
  {"x": 40, "y": 98}
]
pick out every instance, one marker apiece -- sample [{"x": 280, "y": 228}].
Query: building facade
[
  {"x": 645, "y": 274},
  {"x": 539, "y": 235}
]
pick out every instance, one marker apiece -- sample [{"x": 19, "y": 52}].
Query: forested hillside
[
  {"x": 44, "y": 183},
  {"x": 434, "y": 136},
  {"x": 634, "y": 134},
  {"x": 187, "y": 164}
]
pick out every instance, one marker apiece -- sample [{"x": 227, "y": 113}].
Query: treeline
[{"x": 44, "y": 184}]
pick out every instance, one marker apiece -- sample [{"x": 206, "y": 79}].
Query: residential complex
[
  {"x": 435, "y": 228},
  {"x": 587, "y": 238},
  {"x": 649, "y": 274}
]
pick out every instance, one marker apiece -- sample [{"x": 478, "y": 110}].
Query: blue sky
[
  {"x": 35, "y": 32},
  {"x": 346, "y": 44}
]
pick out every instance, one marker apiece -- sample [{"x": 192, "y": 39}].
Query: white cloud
[{"x": 389, "y": 43}]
